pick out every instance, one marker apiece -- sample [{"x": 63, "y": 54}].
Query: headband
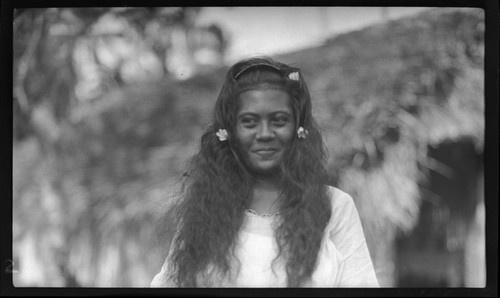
[{"x": 255, "y": 65}]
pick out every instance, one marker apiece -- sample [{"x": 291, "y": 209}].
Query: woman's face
[{"x": 264, "y": 128}]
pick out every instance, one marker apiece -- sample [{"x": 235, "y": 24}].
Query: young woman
[{"x": 254, "y": 210}]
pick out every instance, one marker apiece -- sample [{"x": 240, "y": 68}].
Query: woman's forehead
[
  {"x": 264, "y": 100},
  {"x": 262, "y": 86}
]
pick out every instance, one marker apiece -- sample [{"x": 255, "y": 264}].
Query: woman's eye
[
  {"x": 280, "y": 121},
  {"x": 248, "y": 122}
]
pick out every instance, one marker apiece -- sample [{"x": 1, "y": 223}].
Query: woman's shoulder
[
  {"x": 344, "y": 211},
  {"x": 344, "y": 228},
  {"x": 340, "y": 199}
]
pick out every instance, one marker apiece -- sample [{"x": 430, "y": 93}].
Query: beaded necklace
[{"x": 263, "y": 215}]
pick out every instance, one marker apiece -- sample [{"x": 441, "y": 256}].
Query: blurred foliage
[
  {"x": 89, "y": 159},
  {"x": 83, "y": 53},
  {"x": 102, "y": 135}
]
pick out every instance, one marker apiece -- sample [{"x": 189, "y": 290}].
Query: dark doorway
[{"x": 434, "y": 253}]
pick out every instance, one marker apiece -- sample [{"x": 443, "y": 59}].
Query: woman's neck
[{"x": 265, "y": 196}]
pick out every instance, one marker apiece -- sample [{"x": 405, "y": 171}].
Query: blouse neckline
[{"x": 253, "y": 212}]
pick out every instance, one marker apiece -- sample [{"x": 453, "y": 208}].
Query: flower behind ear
[
  {"x": 222, "y": 134},
  {"x": 293, "y": 76},
  {"x": 302, "y": 133}
]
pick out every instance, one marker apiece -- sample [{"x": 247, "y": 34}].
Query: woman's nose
[{"x": 265, "y": 132}]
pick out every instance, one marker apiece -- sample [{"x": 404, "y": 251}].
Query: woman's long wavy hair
[{"x": 218, "y": 187}]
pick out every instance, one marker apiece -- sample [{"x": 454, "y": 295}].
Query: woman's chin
[{"x": 270, "y": 171}]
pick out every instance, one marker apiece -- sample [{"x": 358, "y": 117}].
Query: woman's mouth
[{"x": 265, "y": 152}]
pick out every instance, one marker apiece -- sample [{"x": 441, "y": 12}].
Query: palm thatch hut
[{"x": 387, "y": 97}]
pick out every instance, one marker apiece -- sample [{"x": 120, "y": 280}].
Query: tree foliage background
[
  {"x": 100, "y": 131},
  {"x": 109, "y": 104}
]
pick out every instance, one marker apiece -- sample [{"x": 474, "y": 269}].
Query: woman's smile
[
  {"x": 264, "y": 128},
  {"x": 265, "y": 152}
]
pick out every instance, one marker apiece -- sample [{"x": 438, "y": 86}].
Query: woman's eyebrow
[
  {"x": 243, "y": 114},
  {"x": 270, "y": 113},
  {"x": 282, "y": 112}
]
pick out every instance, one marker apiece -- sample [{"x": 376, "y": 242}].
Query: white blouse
[{"x": 343, "y": 259}]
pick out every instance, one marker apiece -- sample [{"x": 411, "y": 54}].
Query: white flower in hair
[
  {"x": 302, "y": 133},
  {"x": 294, "y": 76},
  {"x": 222, "y": 134}
]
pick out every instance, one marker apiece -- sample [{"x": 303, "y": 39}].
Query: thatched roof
[{"x": 385, "y": 93}]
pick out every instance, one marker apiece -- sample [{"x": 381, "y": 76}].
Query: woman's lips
[{"x": 265, "y": 152}]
